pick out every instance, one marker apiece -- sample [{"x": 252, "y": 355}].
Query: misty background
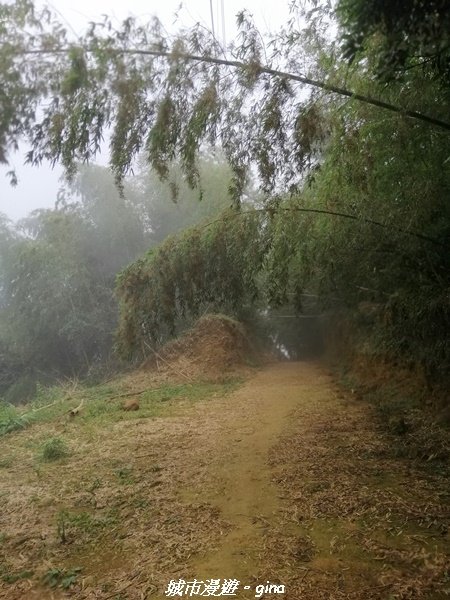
[{"x": 38, "y": 187}]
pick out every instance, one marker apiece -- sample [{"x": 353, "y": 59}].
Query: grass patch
[
  {"x": 14, "y": 577},
  {"x": 13, "y": 423},
  {"x": 62, "y": 578},
  {"x": 49, "y": 404},
  {"x": 125, "y": 475},
  {"x": 54, "y": 449},
  {"x": 191, "y": 392},
  {"x": 155, "y": 402},
  {"x": 86, "y": 522},
  {"x": 72, "y": 525},
  {"x": 6, "y": 462},
  {"x": 11, "y": 419},
  {"x": 103, "y": 403}
]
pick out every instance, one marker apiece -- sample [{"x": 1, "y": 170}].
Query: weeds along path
[{"x": 284, "y": 479}]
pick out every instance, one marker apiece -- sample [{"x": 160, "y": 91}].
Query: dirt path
[
  {"x": 315, "y": 498},
  {"x": 286, "y": 480},
  {"x": 250, "y": 423}
]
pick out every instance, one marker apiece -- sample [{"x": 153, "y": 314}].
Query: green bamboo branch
[{"x": 327, "y": 87}]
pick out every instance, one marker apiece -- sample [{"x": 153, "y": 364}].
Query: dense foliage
[
  {"x": 208, "y": 268},
  {"x": 368, "y": 236},
  {"x": 169, "y": 97},
  {"x": 58, "y": 268},
  {"x": 409, "y": 34},
  {"x": 354, "y": 173}
]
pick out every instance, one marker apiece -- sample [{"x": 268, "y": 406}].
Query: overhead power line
[{"x": 212, "y": 18}]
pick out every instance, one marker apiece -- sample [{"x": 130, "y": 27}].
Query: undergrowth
[
  {"x": 62, "y": 578},
  {"x": 104, "y": 402},
  {"x": 54, "y": 449},
  {"x": 414, "y": 432}
]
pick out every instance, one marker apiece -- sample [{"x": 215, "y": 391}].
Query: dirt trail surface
[
  {"x": 247, "y": 426},
  {"x": 284, "y": 481}
]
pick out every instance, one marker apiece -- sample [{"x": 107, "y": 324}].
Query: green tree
[
  {"x": 370, "y": 226},
  {"x": 404, "y": 34},
  {"x": 169, "y": 98},
  {"x": 171, "y": 206},
  {"x": 58, "y": 267},
  {"x": 386, "y": 245},
  {"x": 62, "y": 316},
  {"x": 211, "y": 267},
  {"x": 356, "y": 155},
  {"x": 117, "y": 225}
]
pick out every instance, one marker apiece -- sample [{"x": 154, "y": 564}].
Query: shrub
[{"x": 54, "y": 449}]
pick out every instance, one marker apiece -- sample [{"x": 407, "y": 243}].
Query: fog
[{"x": 38, "y": 187}]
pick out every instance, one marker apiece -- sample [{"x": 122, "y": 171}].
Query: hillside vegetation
[
  {"x": 284, "y": 196},
  {"x": 340, "y": 121}
]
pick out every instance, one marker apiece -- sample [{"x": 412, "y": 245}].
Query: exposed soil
[{"x": 286, "y": 480}]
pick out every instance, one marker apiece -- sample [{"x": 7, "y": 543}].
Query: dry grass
[
  {"x": 198, "y": 478},
  {"x": 112, "y": 507},
  {"x": 372, "y": 525},
  {"x": 215, "y": 346}
]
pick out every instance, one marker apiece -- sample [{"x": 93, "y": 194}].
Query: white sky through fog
[{"x": 38, "y": 186}]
